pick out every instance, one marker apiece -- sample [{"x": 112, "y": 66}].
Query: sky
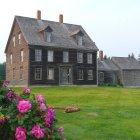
[{"x": 114, "y": 25}]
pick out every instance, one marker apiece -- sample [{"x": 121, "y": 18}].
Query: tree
[
  {"x": 2, "y": 71},
  {"x": 139, "y": 57}
]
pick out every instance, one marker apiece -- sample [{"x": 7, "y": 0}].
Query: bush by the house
[{"x": 26, "y": 117}]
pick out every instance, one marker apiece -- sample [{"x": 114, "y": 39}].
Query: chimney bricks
[
  {"x": 61, "y": 18},
  {"x": 101, "y": 55},
  {"x": 38, "y": 15}
]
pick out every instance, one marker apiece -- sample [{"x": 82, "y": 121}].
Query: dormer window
[
  {"x": 79, "y": 40},
  {"x": 48, "y": 34}
]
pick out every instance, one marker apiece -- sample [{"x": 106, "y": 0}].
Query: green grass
[{"x": 107, "y": 113}]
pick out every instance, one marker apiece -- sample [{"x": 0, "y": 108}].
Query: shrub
[{"x": 25, "y": 116}]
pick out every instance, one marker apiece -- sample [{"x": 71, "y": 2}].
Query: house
[
  {"x": 107, "y": 71},
  {"x": 129, "y": 71},
  {"x": 43, "y": 52}
]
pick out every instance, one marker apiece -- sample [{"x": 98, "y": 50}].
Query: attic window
[
  {"x": 19, "y": 38},
  {"x": 14, "y": 41},
  {"x": 48, "y": 34},
  {"x": 79, "y": 40}
]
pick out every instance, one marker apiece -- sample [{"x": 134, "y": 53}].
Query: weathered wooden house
[
  {"x": 107, "y": 71},
  {"x": 42, "y": 52},
  {"x": 129, "y": 71}
]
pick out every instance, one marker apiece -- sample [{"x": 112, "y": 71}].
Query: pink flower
[
  {"x": 61, "y": 129},
  {"x": 5, "y": 84},
  {"x": 37, "y": 132},
  {"x": 40, "y": 98},
  {"x": 20, "y": 133},
  {"x": 10, "y": 95},
  {"x": 24, "y": 106},
  {"x": 43, "y": 106},
  {"x": 26, "y": 90},
  {"x": 2, "y": 120}
]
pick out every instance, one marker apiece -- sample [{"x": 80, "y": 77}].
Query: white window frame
[
  {"x": 21, "y": 55},
  {"x": 38, "y": 73},
  {"x": 90, "y": 74},
  {"x": 79, "y": 57},
  {"x": 89, "y": 58},
  {"x": 80, "y": 74},
  {"x": 14, "y": 41},
  {"x": 50, "y": 74},
  {"x": 50, "y": 55},
  {"x": 38, "y": 55},
  {"x": 65, "y": 56},
  {"x": 79, "y": 40},
  {"x": 11, "y": 58},
  {"x": 19, "y": 38}
]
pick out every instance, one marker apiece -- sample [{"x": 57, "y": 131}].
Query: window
[
  {"x": 14, "y": 41},
  {"x": 50, "y": 74},
  {"x": 21, "y": 56},
  {"x": 79, "y": 57},
  {"x": 38, "y": 54},
  {"x": 101, "y": 76},
  {"x": 80, "y": 74},
  {"x": 79, "y": 40},
  {"x": 19, "y": 38},
  {"x": 89, "y": 58},
  {"x": 65, "y": 56},
  {"x": 13, "y": 73},
  {"x": 21, "y": 73},
  {"x": 90, "y": 74},
  {"x": 11, "y": 58},
  {"x": 48, "y": 36},
  {"x": 50, "y": 55},
  {"x": 38, "y": 73}
]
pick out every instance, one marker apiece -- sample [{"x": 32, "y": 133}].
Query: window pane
[
  {"x": 21, "y": 55},
  {"x": 38, "y": 54},
  {"x": 89, "y": 58},
  {"x": 19, "y": 38},
  {"x": 50, "y": 73},
  {"x": 38, "y": 73},
  {"x": 14, "y": 41},
  {"x": 90, "y": 74},
  {"x": 65, "y": 56},
  {"x": 79, "y": 57},
  {"x": 13, "y": 73},
  {"x": 79, "y": 40},
  {"x": 50, "y": 55},
  {"x": 11, "y": 58},
  {"x": 21, "y": 73}
]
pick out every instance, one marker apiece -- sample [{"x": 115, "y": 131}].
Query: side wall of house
[
  {"x": 58, "y": 62},
  {"x": 13, "y": 71}
]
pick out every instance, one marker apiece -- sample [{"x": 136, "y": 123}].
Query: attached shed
[
  {"x": 129, "y": 71},
  {"x": 107, "y": 72}
]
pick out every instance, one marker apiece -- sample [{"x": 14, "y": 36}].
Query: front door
[{"x": 65, "y": 75}]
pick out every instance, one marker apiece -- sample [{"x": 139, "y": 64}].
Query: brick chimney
[
  {"x": 101, "y": 56},
  {"x": 38, "y": 15},
  {"x": 61, "y": 18}
]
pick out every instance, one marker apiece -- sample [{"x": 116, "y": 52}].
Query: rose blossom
[
  {"x": 10, "y": 95},
  {"x": 43, "y": 106},
  {"x": 24, "y": 106},
  {"x": 20, "y": 133},
  {"x": 2, "y": 120},
  {"x": 37, "y": 132},
  {"x": 40, "y": 98},
  {"x": 5, "y": 84},
  {"x": 26, "y": 90},
  {"x": 61, "y": 129}
]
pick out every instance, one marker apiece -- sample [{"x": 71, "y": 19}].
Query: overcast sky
[{"x": 114, "y": 25}]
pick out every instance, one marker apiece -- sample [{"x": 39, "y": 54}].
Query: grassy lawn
[{"x": 106, "y": 113}]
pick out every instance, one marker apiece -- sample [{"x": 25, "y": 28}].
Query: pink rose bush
[{"x": 24, "y": 116}]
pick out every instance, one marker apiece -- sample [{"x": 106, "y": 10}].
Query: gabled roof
[
  {"x": 61, "y": 34},
  {"x": 126, "y": 63},
  {"x": 106, "y": 65}
]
